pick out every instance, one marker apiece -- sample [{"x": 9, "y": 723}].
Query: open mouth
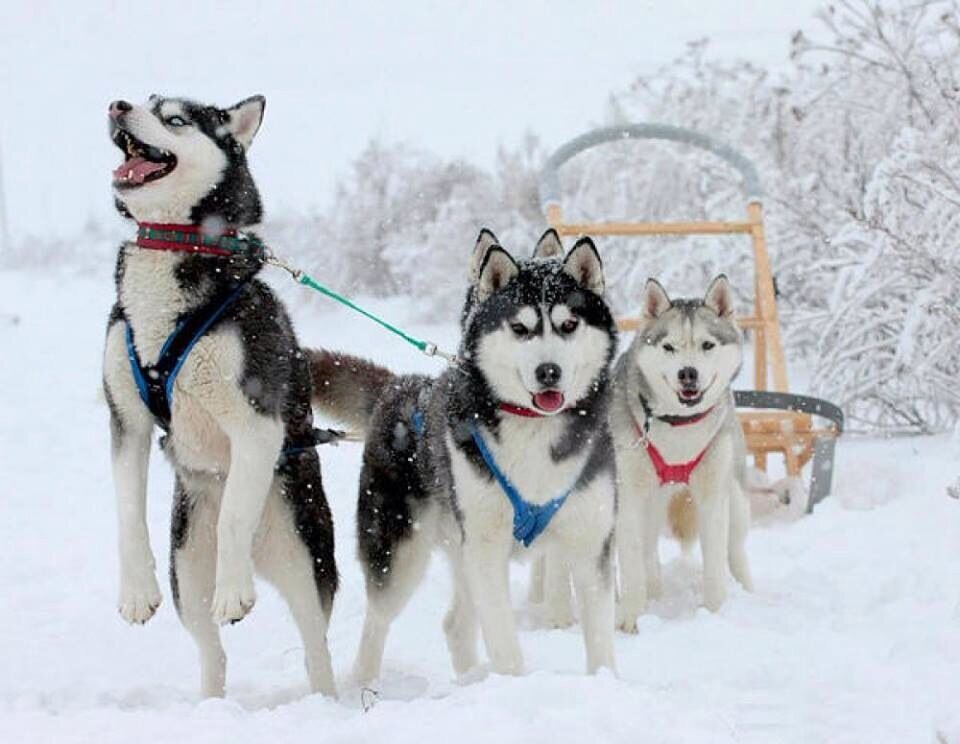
[
  {"x": 691, "y": 395},
  {"x": 142, "y": 163},
  {"x": 548, "y": 401}
]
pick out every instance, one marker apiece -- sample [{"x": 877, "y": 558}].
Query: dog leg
[
  {"x": 193, "y": 568},
  {"x": 631, "y": 561},
  {"x": 283, "y": 560},
  {"x": 558, "y": 610},
  {"x": 255, "y": 442},
  {"x": 713, "y": 517},
  {"x": 460, "y": 624},
  {"x": 486, "y": 566},
  {"x": 139, "y": 592},
  {"x": 593, "y": 582},
  {"x": 537, "y": 577},
  {"x": 739, "y": 525},
  {"x": 653, "y": 516},
  {"x": 387, "y": 595}
]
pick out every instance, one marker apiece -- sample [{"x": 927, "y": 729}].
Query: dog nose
[
  {"x": 688, "y": 376},
  {"x": 548, "y": 374},
  {"x": 118, "y": 108}
]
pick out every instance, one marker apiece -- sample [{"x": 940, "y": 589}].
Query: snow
[{"x": 852, "y": 635}]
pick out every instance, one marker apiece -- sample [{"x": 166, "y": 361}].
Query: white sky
[{"x": 456, "y": 78}]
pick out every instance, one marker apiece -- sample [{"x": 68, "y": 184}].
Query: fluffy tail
[
  {"x": 682, "y": 516},
  {"x": 345, "y": 387}
]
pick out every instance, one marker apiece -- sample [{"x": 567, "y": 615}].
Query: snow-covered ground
[{"x": 852, "y": 635}]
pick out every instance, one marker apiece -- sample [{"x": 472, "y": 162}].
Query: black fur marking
[
  {"x": 179, "y": 531},
  {"x": 394, "y": 479},
  {"x": 605, "y": 563}
]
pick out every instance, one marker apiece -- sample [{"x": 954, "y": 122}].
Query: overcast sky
[{"x": 456, "y": 78}]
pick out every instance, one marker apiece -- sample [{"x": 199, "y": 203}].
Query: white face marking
[
  {"x": 200, "y": 166},
  {"x": 559, "y": 315},
  {"x": 509, "y": 361},
  {"x": 716, "y": 366}
]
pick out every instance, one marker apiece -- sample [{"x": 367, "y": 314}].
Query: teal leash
[{"x": 301, "y": 277}]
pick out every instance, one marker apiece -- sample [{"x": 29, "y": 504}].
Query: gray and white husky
[
  {"x": 525, "y": 409},
  {"x": 674, "y": 425},
  {"x": 239, "y": 398}
]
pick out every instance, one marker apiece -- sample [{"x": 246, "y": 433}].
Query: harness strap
[
  {"x": 529, "y": 520},
  {"x": 673, "y": 472},
  {"x": 667, "y": 472},
  {"x": 155, "y": 381}
]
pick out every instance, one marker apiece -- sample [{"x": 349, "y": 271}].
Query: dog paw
[
  {"x": 627, "y": 621},
  {"x": 139, "y": 599},
  {"x": 232, "y": 601},
  {"x": 714, "y": 597}
]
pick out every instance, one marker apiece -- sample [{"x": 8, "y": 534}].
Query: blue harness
[
  {"x": 155, "y": 381},
  {"x": 529, "y": 520}
]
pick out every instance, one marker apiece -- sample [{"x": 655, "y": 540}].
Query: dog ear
[
  {"x": 583, "y": 264},
  {"x": 484, "y": 240},
  {"x": 654, "y": 301},
  {"x": 496, "y": 271},
  {"x": 719, "y": 297},
  {"x": 549, "y": 245},
  {"x": 243, "y": 119}
]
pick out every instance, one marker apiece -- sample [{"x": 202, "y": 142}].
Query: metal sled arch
[{"x": 785, "y": 422}]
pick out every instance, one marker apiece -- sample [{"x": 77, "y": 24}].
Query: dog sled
[{"x": 775, "y": 421}]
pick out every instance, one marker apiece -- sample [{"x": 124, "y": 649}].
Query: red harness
[{"x": 673, "y": 472}]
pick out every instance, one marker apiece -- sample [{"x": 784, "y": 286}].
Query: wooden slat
[{"x": 653, "y": 228}]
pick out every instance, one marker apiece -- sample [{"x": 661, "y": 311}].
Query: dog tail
[
  {"x": 682, "y": 516},
  {"x": 345, "y": 387}
]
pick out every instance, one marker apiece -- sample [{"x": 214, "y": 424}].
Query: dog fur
[{"x": 243, "y": 391}]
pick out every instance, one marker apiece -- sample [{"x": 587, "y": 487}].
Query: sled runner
[{"x": 801, "y": 428}]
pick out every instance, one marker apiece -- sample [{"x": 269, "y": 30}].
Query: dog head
[
  {"x": 540, "y": 332},
  {"x": 688, "y": 351},
  {"x": 185, "y": 162}
]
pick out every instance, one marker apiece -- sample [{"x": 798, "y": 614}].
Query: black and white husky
[
  {"x": 238, "y": 421},
  {"x": 673, "y": 421},
  {"x": 507, "y": 454}
]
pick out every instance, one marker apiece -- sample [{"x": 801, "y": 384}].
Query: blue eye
[{"x": 175, "y": 121}]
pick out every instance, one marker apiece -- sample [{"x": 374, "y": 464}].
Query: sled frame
[{"x": 785, "y": 424}]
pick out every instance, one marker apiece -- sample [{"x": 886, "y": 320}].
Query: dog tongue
[
  {"x": 549, "y": 401},
  {"x": 136, "y": 170}
]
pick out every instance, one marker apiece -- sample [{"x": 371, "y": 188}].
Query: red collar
[
  {"x": 668, "y": 472},
  {"x": 160, "y": 236},
  {"x": 521, "y": 411},
  {"x": 686, "y": 420}
]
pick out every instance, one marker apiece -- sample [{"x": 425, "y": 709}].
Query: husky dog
[
  {"x": 673, "y": 421},
  {"x": 237, "y": 397},
  {"x": 512, "y": 440}
]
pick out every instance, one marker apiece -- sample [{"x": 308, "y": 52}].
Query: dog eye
[
  {"x": 519, "y": 328},
  {"x": 707, "y": 345},
  {"x": 175, "y": 121},
  {"x": 668, "y": 348},
  {"x": 569, "y": 326}
]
